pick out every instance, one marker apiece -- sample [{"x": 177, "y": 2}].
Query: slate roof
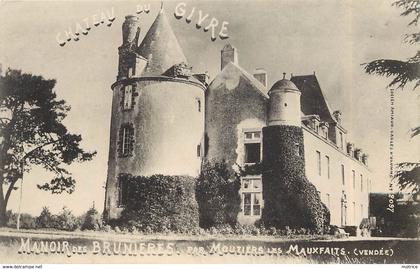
[
  {"x": 160, "y": 47},
  {"x": 312, "y": 100}
]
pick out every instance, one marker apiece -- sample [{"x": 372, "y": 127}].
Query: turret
[{"x": 284, "y": 104}]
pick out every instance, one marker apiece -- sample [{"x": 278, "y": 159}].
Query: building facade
[{"x": 167, "y": 119}]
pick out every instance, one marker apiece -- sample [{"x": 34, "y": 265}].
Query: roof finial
[
  {"x": 161, "y": 6},
  {"x": 284, "y": 75}
]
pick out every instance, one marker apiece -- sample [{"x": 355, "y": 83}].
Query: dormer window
[{"x": 128, "y": 97}]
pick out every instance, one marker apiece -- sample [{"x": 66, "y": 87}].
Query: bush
[
  {"x": 91, "y": 220},
  {"x": 289, "y": 198},
  {"x": 217, "y": 195},
  {"x": 45, "y": 219},
  {"x": 27, "y": 221},
  {"x": 160, "y": 203},
  {"x": 67, "y": 221}
]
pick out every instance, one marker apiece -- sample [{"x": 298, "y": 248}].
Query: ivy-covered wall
[
  {"x": 161, "y": 203},
  {"x": 289, "y": 198}
]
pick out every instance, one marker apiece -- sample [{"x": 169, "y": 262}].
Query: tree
[
  {"x": 45, "y": 219},
  {"x": 32, "y": 133},
  {"x": 403, "y": 71},
  {"x": 407, "y": 175}
]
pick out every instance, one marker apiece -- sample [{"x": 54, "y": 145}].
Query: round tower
[
  {"x": 284, "y": 104},
  {"x": 157, "y": 122}
]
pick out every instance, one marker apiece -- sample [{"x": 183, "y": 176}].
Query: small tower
[
  {"x": 129, "y": 60},
  {"x": 283, "y": 157},
  {"x": 284, "y": 104}
]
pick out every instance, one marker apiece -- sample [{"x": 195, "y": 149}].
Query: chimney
[
  {"x": 365, "y": 159},
  {"x": 131, "y": 30},
  {"x": 261, "y": 75},
  {"x": 228, "y": 54},
  {"x": 337, "y": 115}
]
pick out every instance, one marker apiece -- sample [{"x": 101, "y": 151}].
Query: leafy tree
[
  {"x": 45, "y": 219},
  {"x": 403, "y": 71},
  {"x": 32, "y": 134},
  {"x": 66, "y": 220},
  {"x": 407, "y": 175}
]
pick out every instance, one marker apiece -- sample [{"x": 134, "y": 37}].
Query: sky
[{"x": 329, "y": 37}]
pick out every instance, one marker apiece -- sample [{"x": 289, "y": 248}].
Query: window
[
  {"x": 361, "y": 211},
  {"x": 198, "y": 150},
  {"x": 199, "y": 105},
  {"x": 251, "y": 196},
  {"x": 126, "y": 140},
  {"x": 130, "y": 72},
  {"x": 122, "y": 191},
  {"x": 128, "y": 97},
  {"x": 361, "y": 182},
  {"x": 341, "y": 141},
  {"x": 354, "y": 178},
  {"x": 297, "y": 149},
  {"x": 354, "y": 212},
  {"x": 252, "y": 142},
  {"x": 327, "y": 160},
  {"x": 343, "y": 179},
  {"x": 318, "y": 156},
  {"x": 252, "y": 152}
]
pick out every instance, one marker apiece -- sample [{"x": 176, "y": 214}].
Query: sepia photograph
[{"x": 209, "y": 132}]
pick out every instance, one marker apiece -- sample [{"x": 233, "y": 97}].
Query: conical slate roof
[{"x": 160, "y": 47}]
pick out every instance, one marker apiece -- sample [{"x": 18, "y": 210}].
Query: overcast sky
[{"x": 332, "y": 38}]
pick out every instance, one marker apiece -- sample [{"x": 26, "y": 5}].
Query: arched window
[{"x": 126, "y": 140}]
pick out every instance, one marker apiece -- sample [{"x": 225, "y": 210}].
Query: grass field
[{"x": 32, "y": 246}]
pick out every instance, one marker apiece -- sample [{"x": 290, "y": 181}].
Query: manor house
[{"x": 166, "y": 119}]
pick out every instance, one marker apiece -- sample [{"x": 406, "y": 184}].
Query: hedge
[
  {"x": 160, "y": 203},
  {"x": 289, "y": 198}
]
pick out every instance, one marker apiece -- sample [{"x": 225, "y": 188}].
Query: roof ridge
[{"x": 253, "y": 81}]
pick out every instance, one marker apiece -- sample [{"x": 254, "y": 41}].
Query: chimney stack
[
  {"x": 228, "y": 54},
  {"x": 131, "y": 30},
  {"x": 337, "y": 115},
  {"x": 261, "y": 75}
]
